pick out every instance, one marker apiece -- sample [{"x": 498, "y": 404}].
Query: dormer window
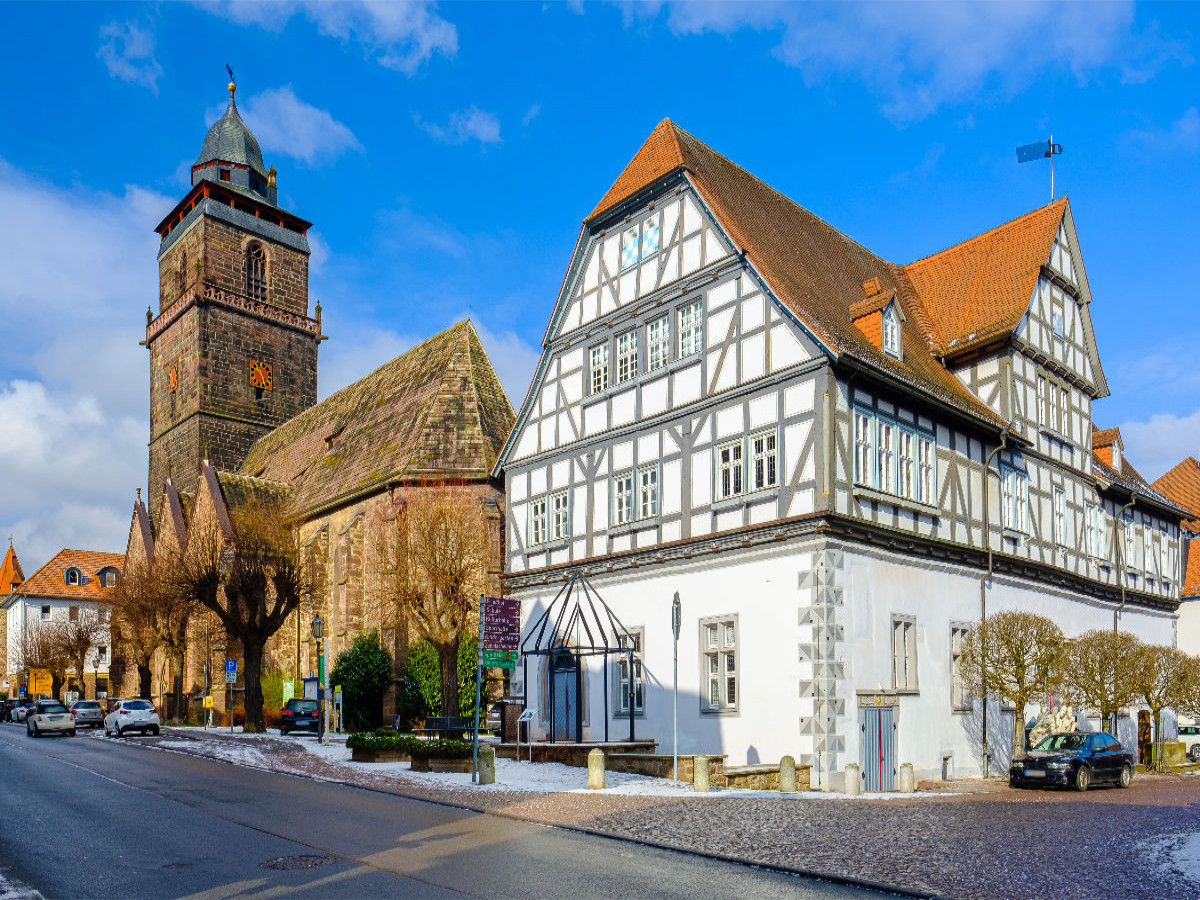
[
  {"x": 256, "y": 272},
  {"x": 73, "y": 576},
  {"x": 890, "y": 334},
  {"x": 108, "y": 577}
]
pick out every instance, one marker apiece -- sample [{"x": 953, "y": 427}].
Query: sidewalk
[{"x": 976, "y": 840}]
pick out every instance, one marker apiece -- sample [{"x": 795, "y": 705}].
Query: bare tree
[
  {"x": 1161, "y": 680},
  {"x": 436, "y": 567},
  {"x": 1012, "y": 655},
  {"x": 174, "y": 607},
  {"x": 39, "y": 648},
  {"x": 252, "y": 583},
  {"x": 1100, "y": 670},
  {"x": 134, "y": 625},
  {"x": 78, "y": 638}
]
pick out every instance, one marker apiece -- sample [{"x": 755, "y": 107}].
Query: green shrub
[
  {"x": 441, "y": 748},
  {"x": 376, "y": 741},
  {"x": 426, "y": 675},
  {"x": 364, "y": 670}
]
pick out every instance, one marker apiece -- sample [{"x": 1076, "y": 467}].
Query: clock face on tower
[{"x": 260, "y": 375}]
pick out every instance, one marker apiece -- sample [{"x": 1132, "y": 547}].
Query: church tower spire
[{"x": 233, "y": 351}]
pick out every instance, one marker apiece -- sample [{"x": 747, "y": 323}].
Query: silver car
[
  {"x": 49, "y": 716},
  {"x": 131, "y": 715},
  {"x": 87, "y": 713}
]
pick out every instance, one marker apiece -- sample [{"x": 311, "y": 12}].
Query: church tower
[{"x": 233, "y": 352}]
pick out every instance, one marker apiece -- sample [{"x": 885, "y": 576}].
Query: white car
[
  {"x": 131, "y": 715},
  {"x": 1190, "y": 735},
  {"x": 49, "y": 716}
]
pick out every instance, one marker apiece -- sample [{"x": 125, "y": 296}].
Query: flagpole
[{"x": 1052, "y": 168}]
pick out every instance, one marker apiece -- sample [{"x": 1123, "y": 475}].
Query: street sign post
[
  {"x": 230, "y": 679},
  {"x": 499, "y": 641},
  {"x": 675, "y": 622},
  {"x": 524, "y": 719}
]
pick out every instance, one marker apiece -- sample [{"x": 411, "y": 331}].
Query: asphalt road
[{"x": 83, "y": 817}]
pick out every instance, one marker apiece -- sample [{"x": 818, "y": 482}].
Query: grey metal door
[
  {"x": 879, "y": 748},
  {"x": 565, "y": 693}
]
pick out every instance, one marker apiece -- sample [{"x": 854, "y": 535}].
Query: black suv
[
  {"x": 298, "y": 714},
  {"x": 1076, "y": 759}
]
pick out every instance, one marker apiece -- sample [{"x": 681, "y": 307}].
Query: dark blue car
[{"x": 1076, "y": 759}]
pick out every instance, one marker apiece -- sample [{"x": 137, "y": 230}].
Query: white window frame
[
  {"x": 623, "y": 498},
  {"x": 1064, "y": 411},
  {"x": 645, "y": 253},
  {"x": 906, "y": 464},
  {"x": 1014, "y": 499},
  {"x": 647, "y": 492},
  {"x": 630, "y": 236},
  {"x": 764, "y": 460},
  {"x": 1164, "y": 556},
  {"x": 559, "y": 506},
  {"x": 1043, "y": 401},
  {"x": 1058, "y": 319},
  {"x": 538, "y": 520},
  {"x": 627, "y": 356},
  {"x": 904, "y": 654},
  {"x": 719, "y": 656},
  {"x": 1097, "y": 529},
  {"x": 46, "y": 612},
  {"x": 621, "y": 675},
  {"x": 658, "y": 343},
  {"x": 1058, "y": 512},
  {"x": 731, "y": 476},
  {"x": 864, "y": 447},
  {"x": 691, "y": 328},
  {"x": 926, "y": 469},
  {"x": 960, "y": 694},
  {"x": 598, "y": 358},
  {"x": 1147, "y": 549},
  {"x": 1129, "y": 539},
  {"x": 885, "y": 453},
  {"x": 889, "y": 336}
]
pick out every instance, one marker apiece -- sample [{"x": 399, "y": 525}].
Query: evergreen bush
[{"x": 364, "y": 670}]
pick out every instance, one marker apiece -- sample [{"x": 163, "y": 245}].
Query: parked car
[
  {"x": 131, "y": 715},
  {"x": 6, "y": 709},
  {"x": 1190, "y": 735},
  {"x": 21, "y": 710},
  {"x": 298, "y": 714},
  {"x": 87, "y": 712},
  {"x": 1076, "y": 759},
  {"x": 49, "y": 716}
]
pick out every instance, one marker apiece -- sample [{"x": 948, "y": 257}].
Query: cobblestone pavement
[{"x": 990, "y": 842}]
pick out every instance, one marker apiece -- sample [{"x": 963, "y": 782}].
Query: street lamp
[{"x": 318, "y": 630}]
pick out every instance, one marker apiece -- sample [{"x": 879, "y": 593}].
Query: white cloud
[
  {"x": 920, "y": 56},
  {"x": 73, "y": 386},
  {"x": 128, "y": 53},
  {"x": 1182, "y": 136},
  {"x": 356, "y": 350},
  {"x": 397, "y": 34},
  {"x": 1157, "y": 444},
  {"x": 513, "y": 359},
  {"x": 283, "y": 123},
  {"x": 472, "y": 124},
  {"x": 533, "y": 113}
]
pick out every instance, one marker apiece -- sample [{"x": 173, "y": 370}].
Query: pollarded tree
[
  {"x": 173, "y": 609},
  {"x": 252, "y": 582},
  {"x": 1012, "y": 655},
  {"x": 134, "y": 626},
  {"x": 1162, "y": 680},
  {"x": 78, "y": 638},
  {"x": 436, "y": 566},
  {"x": 1100, "y": 670}
]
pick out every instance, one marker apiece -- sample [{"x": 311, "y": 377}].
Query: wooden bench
[{"x": 457, "y": 727}]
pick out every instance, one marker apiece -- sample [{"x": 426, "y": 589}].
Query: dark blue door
[{"x": 879, "y": 757}]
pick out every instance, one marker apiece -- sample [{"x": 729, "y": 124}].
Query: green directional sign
[{"x": 500, "y": 659}]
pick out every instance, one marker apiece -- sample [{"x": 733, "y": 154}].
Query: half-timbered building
[{"x": 836, "y": 462}]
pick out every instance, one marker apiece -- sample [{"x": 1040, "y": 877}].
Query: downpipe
[{"x": 983, "y": 583}]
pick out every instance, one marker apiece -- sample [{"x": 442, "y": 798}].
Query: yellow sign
[
  {"x": 40, "y": 682},
  {"x": 208, "y": 702}
]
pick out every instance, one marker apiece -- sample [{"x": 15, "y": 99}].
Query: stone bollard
[
  {"x": 787, "y": 775},
  {"x": 853, "y": 780},
  {"x": 908, "y": 781},
  {"x": 487, "y": 765},
  {"x": 596, "y": 770},
  {"x": 700, "y": 774}
]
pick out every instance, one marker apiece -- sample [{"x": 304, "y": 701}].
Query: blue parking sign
[{"x": 230, "y": 671}]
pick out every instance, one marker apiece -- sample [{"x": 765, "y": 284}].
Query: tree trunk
[
  {"x": 448, "y": 664},
  {"x": 145, "y": 679},
  {"x": 179, "y": 710},
  {"x": 252, "y": 654},
  {"x": 1019, "y": 731}
]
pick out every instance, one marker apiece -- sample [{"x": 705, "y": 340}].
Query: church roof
[
  {"x": 437, "y": 411},
  {"x": 229, "y": 140},
  {"x": 10, "y": 572},
  {"x": 50, "y": 579}
]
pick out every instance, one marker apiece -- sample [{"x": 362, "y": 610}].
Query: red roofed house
[
  {"x": 1182, "y": 484},
  {"x": 74, "y": 583},
  {"x": 11, "y": 577},
  {"x": 828, "y": 457}
]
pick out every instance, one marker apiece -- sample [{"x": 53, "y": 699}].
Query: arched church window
[{"x": 256, "y": 272}]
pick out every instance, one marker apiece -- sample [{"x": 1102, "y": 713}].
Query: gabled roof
[
  {"x": 1182, "y": 484},
  {"x": 1130, "y": 482},
  {"x": 49, "y": 580},
  {"x": 437, "y": 411},
  {"x": 1103, "y": 441},
  {"x": 814, "y": 269},
  {"x": 10, "y": 572},
  {"x": 981, "y": 288}
]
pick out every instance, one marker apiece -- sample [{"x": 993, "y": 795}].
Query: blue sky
[{"x": 447, "y": 155}]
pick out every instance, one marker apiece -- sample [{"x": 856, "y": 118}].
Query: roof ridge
[{"x": 1060, "y": 202}]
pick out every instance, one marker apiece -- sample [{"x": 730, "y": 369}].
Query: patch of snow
[
  {"x": 1176, "y": 857},
  {"x": 12, "y": 889}
]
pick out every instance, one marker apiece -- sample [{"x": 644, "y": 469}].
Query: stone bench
[{"x": 762, "y": 777}]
